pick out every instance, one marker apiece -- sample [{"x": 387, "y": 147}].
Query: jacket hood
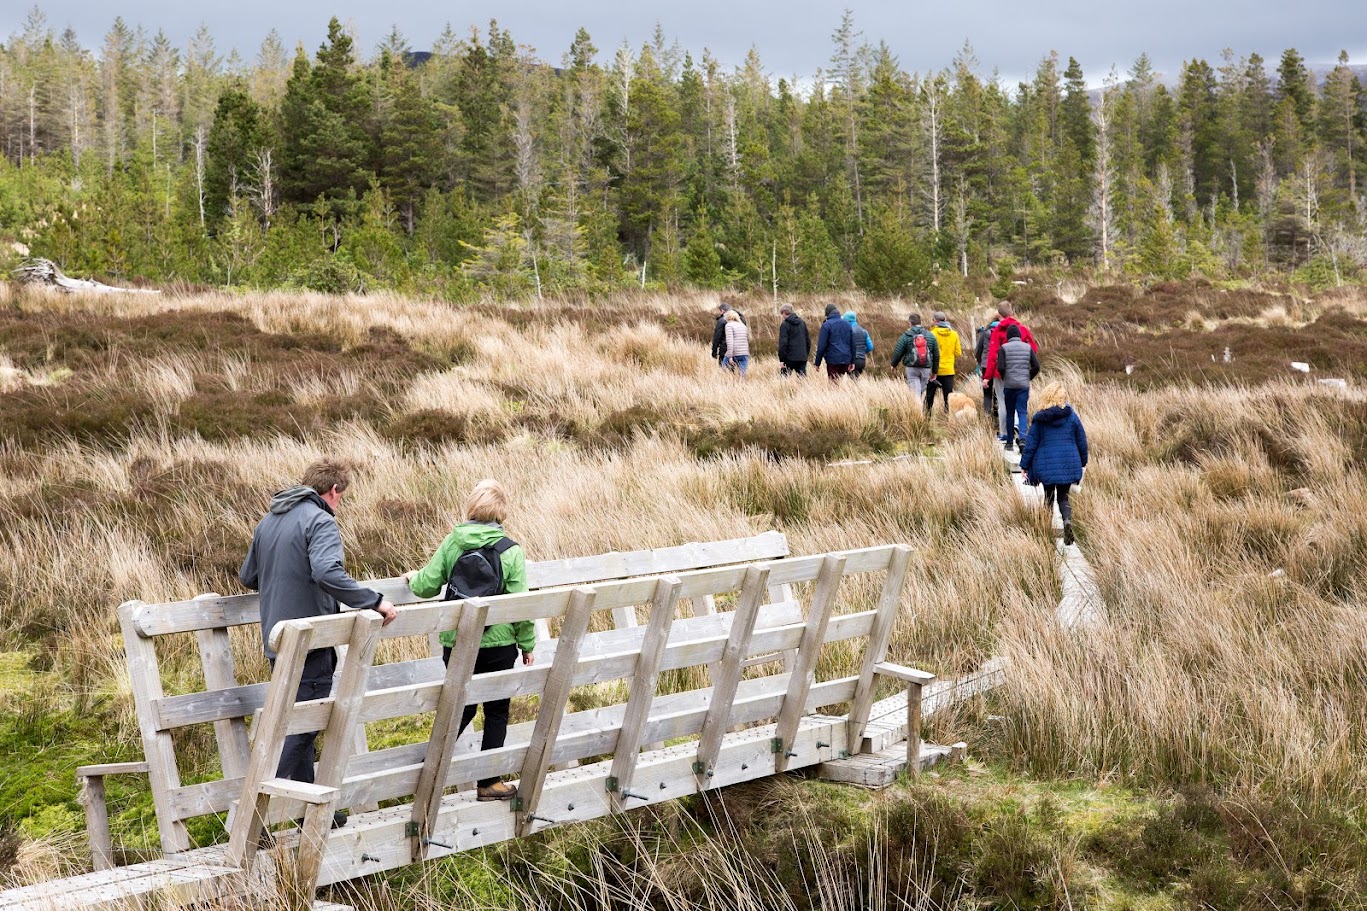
[
  {"x": 850, "y": 318},
  {"x": 470, "y": 535},
  {"x": 792, "y": 318},
  {"x": 1053, "y": 415},
  {"x": 291, "y": 497}
]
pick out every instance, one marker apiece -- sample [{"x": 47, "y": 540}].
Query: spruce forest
[{"x": 481, "y": 168}]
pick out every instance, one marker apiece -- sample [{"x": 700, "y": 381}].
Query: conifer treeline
[{"x": 484, "y": 167}]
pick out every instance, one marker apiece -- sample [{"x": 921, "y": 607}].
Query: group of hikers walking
[
  {"x": 1052, "y": 444},
  {"x": 295, "y": 558}
]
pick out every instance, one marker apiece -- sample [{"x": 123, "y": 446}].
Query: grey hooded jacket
[{"x": 295, "y": 561}]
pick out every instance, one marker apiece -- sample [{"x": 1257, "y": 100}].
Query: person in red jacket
[{"x": 1007, "y": 314}]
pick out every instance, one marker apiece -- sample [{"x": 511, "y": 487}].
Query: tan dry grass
[{"x": 1207, "y": 668}]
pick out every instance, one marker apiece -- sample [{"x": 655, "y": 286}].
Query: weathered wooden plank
[
  {"x": 302, "y": 791},
  {"x": 804, "y": 667},
  {"x": 552, "y": 709},
  {"x": 879, "y": 770},
  {"x": 420, "y": 618},
  {"x": 744, "y": 756},
  {"x": 270, "y": 740},
  {"x": 643, "y": 683},
  {"x": 238, "y": 610},
  {"x": 727, "y": 676},
  {"x": 163, "y": 772},
  {"x": 216, "y": 658},
  {"x": 877, "y": 646},
  {"x": 446, "y": 725},
  {"x": 111, "y": 768},
  {"x": 97, "y": 822},
  {"x": 339, "y": 741},
  {"x": 214, "y": 797},
  {"x": 412, "y": 687}
]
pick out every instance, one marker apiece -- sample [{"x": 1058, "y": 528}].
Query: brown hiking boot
[{"x": 496, "y": 791}]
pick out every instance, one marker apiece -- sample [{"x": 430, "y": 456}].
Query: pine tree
[
  {"x": 236, "y": 137},
  {"x": 410, "y": 142},
  {"x": 327, "y": 152},
  {"x": 891, "y": 261},
  {"x": 701, "y": 262}
]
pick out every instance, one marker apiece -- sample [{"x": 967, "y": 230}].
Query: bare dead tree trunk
[
  {"x": 934, "y": 129},
  {"x": 265, "y": 185},
  {"x": 732, "y": 145},
  {"x": 963, "y": 225},
  {"x": 200, "y": 136},
  {"x": 773, "y": 268},
  {"x": 1103, "y": 215},
  {"x": 32, "y": 124}
]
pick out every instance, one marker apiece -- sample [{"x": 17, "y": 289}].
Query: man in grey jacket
[
  {"x": 1017, "y": 364},
  {"x": 295, "y": 561}
]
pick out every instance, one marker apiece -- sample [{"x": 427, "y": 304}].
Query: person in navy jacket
[{"x": 1055, "y": 452}]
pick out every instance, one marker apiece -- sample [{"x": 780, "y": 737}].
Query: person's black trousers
[
  {"x": 1059, "y": 492},
  {"x": 945, "y": 383},
  {"x": 297, "y": 757},
  {"x": 495, "y": 658}
]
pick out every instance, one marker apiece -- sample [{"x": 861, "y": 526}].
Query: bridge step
[
  {"x": 195, "y": 876},
  {"x": 879, "y": 770}
]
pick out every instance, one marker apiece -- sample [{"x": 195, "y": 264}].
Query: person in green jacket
[{"x": 485, "y": 511}]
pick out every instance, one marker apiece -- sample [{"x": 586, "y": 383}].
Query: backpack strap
[{"x": 503, "y": 544}]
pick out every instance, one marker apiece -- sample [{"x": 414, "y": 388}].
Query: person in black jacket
[
  {"x": 719, "y": 333},
  {"x": 794, "y": 342}
]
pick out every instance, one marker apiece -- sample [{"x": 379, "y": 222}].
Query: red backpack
[{"x": 921, "y": 357}]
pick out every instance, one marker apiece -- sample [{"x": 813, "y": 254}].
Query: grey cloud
[{"x": 792, "y": 37}]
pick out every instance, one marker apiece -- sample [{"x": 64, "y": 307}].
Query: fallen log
[{"x": 45, "y": 272}]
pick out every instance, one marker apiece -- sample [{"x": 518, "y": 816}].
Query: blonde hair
[
  {"x": 488, "y": 502},
  {"x": 732, "y": 316},
  {"x": 1056, "y": 393}
]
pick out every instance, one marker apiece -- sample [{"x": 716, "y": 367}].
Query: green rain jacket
[{"x": 470, "y": 536}]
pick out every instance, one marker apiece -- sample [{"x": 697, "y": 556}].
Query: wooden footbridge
[{"x": 745, "y": 632}]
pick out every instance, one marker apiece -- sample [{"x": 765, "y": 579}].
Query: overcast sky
[{"x": 793, "y": 37}]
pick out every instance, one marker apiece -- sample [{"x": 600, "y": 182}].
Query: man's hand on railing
[{"x": 388, "y": 611}]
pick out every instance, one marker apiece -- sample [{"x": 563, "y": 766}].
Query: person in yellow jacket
[{"x": 950, "y": 348}]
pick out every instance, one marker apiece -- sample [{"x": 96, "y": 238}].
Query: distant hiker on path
[
  {"x": 919, "y": 352},
  {"x": 863, "y": 343},
  {"x": 295, "y": 562},
  {"x": 478, "y": 560},
  {"x": 950, "y": 348},
  {"x": 794, "y": 342},
  {"x": 990, "y": 372},
  {"x": 737, "y": 342},
  {"x": 835, "y": 345},
  {"x": 1017, "y": 365},
  {"x": 980, "y": 345},
  {"x": 1055, "y": 452},
  {"x": 719, "y": 332}
]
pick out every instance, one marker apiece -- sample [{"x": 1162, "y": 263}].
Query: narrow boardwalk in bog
[{"x": 727, "y": 614}]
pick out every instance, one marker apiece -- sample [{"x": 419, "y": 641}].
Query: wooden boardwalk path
[{"x": 757, "y": 713}]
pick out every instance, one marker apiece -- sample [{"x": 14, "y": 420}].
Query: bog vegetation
[
  {"x": 480, "y": 166},
  {"x": 1199, "y": 748}
]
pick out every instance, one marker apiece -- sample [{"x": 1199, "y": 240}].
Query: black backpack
[{"x": 478, "y": 572}]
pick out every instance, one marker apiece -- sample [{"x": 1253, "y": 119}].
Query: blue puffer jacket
[
  {"x": 1055, "y": 450},
  {"x": 835, "y": 342}
]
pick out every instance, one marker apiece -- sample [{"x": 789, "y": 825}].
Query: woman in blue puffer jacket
[{"x": 1055, "y": 452}]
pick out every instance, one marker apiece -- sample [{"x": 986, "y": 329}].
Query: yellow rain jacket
[{"x": 950, "y": 348}]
